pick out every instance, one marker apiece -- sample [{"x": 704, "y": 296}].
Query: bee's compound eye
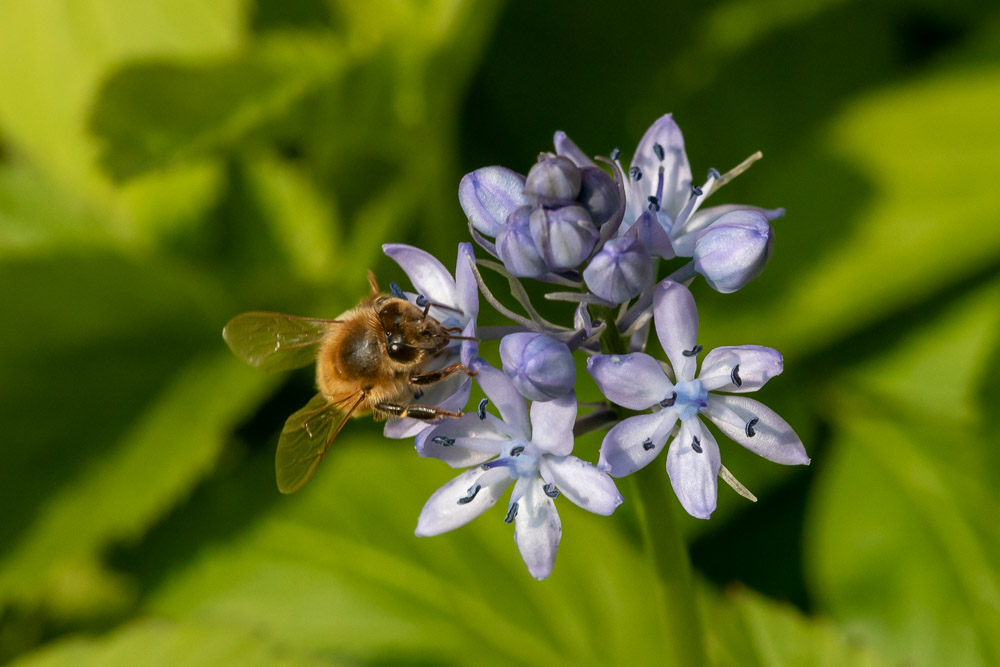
[{"x": 395, "y": 347}]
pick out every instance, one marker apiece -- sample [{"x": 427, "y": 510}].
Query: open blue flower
[
  {"x": 638, "y": 382},
  {"x": 529, "y": 448},
  {"x": 454, "y": 303},
  {"x": 663, "y": 206}
]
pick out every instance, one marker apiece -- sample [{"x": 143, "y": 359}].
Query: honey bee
[{"x": 371, "y": 359}]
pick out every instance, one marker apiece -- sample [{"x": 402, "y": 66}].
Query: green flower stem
[
  {"x": 685, "y": 636},
  {"x": 684, "y": 632}
]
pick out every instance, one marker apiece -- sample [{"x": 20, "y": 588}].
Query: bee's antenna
[{"x": 422, "y": 301}]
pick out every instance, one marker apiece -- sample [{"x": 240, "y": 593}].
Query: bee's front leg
[
  {"x": 422, "y": 412},
  {"x": 437, "y": 376}
]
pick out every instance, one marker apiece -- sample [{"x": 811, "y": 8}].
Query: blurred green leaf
[
  {"x": 171, "y": 444},
  {"x": 336, "y": 569},
  {"x": 303, "y": 220},
  {"x": 157, "y": 642},
  {"x": 62, "y": 53},
  {"x": 154, "y": 115},
  {"x": 747, "y": 629},
  {"x": 903, "y": 546},
  {"x": 926, "y": 152}
]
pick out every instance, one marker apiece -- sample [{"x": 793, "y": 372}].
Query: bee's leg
[
  {"x": 435, "y": 376},
  {"x": 424, "y": 412}
]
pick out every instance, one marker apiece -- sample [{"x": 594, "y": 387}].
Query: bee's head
[{"x": 409, "y": 334}]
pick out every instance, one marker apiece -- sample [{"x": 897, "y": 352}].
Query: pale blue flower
[
  {"x": 638, "y": 382},
  {"x": 455, "y": 303},
  {"x": 527, "y": 447}
]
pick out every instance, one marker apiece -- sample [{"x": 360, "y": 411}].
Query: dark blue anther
[
  {"x": 635, "y": 173},
  {"x": 511, "y": 513},
  {"x": 418, "y": 394},
  {"x": 750, "y": 424},
  {"x": 481, "y": 410},
  {"x": 654, "y": 203},
  {"x": 516, "y": 451},
  {"x": 615, "y": 152},
  {"x": 550, "y": 490},
  {"x": 658, "y": 149},
  {"x": 647, "y": 444},
  {"x": 693, "y": 351},
  {"x": 421, "y": 301},
  {"x": 714, "y": 173},
  {"x": 669, "y": 401},
  {"x": 696, "y": 444},
  {"x": 396, "y": 291},
  {"x": 696, "y": 190},
  {"x": 735, "y": 376},
  {"x": 443, "y": 440},
  {"x": 469, "y": 498}
]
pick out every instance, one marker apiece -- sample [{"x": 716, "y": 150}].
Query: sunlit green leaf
[
  {"x": 341, "y": 554},
  {"x": 304, "y": 222},
  {"x": 62, "y": 52},
  {"x": 156, "y": 114},
  {"x": 157, "y": 642},
  {"x": 921, "y": 217},
  {"x": 904, "y": 548},
  {"x": 747, "y": 629},
  {"x": 171, "y": 444}
]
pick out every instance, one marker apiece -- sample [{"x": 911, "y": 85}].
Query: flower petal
[
  {"x": 469, "y": 348},
  {"x": 676, "y": 169},
  {"x": 502, "y": 393},
  {"x": 445, "y": 510},
  {"x": 749, "y": 365},
  {"x": 684, "y": 239},
  {"x": 489, "y": 195},
  {"x": 635, "y": 381},
  {"x": 552, "y": 424},
  {"x": 537, "y": 529},
  {"x": 676, "y": 319},
  {"x": 428, "y": 275},
  {"x": 463, "y": 442},
  {"x": 694, "y": 474},
  {"x": 466, "y": 289},
  {"x": 583, "y": 483},
  {"x": 634, "y": 442},
  {"x": 771, "y": 437},
  {"x": 565, "y": 146}
]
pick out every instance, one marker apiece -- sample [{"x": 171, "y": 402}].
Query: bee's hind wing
[{"x": 307, "y": 436}]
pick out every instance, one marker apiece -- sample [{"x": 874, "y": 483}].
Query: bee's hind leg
[{"x": 422, "y": 412}]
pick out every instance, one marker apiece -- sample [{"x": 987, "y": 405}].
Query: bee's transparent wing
[
  {"x": 307, "y": 436},
  {"x": 274, "y": 341}
]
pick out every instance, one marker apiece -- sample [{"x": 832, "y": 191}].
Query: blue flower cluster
[{"x": 599, "y": 236}]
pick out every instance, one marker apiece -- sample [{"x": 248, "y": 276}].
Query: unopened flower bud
[
  {"x": 553, "y": 180},
  {"x": 733, "y": 250},
  {"x": 563, "y": 236},
  {"x": 620, "y": 270},
  {"x": 516, "y": 247},
  {"x": 489, "y": 195},
  {"x": 540, "y": 367},
  {"x": 598, "y": 194}
]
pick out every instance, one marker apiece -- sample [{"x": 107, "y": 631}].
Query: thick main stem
[
  {"x": 663, "y": 540},
  {"x": 684, "y": 632}
]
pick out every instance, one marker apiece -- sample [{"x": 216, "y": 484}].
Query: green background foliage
[{"x": 166, "y": 165}]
